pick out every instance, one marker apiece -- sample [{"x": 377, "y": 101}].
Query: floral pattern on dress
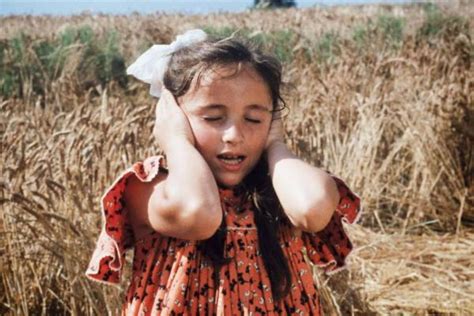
[{"x": 170, "y": 276}]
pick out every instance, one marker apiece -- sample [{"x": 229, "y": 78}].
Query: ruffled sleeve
[
  {"x": 329, "y": 247},
  {"x": 117, "y": 235}
]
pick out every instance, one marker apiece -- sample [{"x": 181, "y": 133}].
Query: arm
[
  {"x": 308, "y": 195},
  {"x": 189, "y": 195},
  {"x": 184, "y": 204}
]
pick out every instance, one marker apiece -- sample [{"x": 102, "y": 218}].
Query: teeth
[
  {"x": 231, "y": 157},
  {"x": 233, "y": 160}
]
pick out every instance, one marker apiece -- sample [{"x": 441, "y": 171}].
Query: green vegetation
[
  {"x": 31, "y": 66},
  {"x": 280, "y": 42},
  {"x": 391, "y": 29},
  {"x": 391, "y": 118},
  {"x": 388, "y": 29},
  {"x": 109, "y": 63},
  {"x": 360, "y": 35},
  {"x": 327, "y": 47},
  {"x": 223, "y": 32},
  {"x": 436, "y": 23}
]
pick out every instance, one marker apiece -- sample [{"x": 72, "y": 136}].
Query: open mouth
[{"x": 231, "y": 159}]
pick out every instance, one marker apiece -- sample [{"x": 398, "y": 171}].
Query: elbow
[
  {"x": 318, "y": 214},
  {"x": 202, "y": 220},
  {"x": 316, "y": 219},
  {"x": 206, "y": 219},
  {"x": 203, "y": 234},
  {"x": 206, "y": 226},
  {"x": 188, "y": 221}
]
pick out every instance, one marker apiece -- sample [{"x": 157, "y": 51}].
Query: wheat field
[{"x": 380, "y": 95}]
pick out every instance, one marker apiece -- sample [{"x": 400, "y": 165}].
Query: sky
[{"x": 66, "y": 7}]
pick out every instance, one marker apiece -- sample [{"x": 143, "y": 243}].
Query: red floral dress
[{"x": 170, "y": 276}]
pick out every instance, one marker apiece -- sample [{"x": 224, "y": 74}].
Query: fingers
[
  {"x": 277, "y": 115},
  {"x": 276, "y": 132},
  {"x": 171, "y": 120},
  {"x": 167, "y": 95},
  {"x": 167, "y": 105},
  {"x": 277, "y": 120}
]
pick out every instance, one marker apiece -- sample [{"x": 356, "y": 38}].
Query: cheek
[
  {"x": 259, "y": 137},
  {"x": 206, "y": 139},
  {"x": 265, "y": 130}
]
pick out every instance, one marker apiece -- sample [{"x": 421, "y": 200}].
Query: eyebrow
[{"x": 221, "y": 106}]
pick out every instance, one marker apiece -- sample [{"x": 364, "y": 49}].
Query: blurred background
[
  {"x": 380, "y": 94},
  {"x": 65, "y": 7}
]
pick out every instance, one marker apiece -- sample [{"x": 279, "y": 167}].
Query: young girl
[{"x": 220, "y": 224}]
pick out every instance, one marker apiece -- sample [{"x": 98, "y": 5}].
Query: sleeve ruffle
[
  {"x": 117, "y": 235},
  {"x": 330, "y": 247}
]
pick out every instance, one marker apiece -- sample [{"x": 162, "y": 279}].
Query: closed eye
[
  {"x": 211, "y": 119},
  {"x": 215, "y": 119},
  {"x": 253, "y": 121}
]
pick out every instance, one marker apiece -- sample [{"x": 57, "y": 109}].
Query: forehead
[
  {"x": 226, "y": 71},
  {"x": 228, "y": 85}
]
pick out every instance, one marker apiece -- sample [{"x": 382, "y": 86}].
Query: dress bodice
[{"x": 171, "y": 276}]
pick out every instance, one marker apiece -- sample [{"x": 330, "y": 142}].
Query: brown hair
[{"x": 184, "y": 66}]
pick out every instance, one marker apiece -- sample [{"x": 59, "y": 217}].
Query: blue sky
[{"x": 65, "y": 7}]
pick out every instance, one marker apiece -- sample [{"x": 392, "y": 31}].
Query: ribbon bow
[{"x": 151, "y": 66}]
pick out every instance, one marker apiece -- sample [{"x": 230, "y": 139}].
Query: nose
[{"x": 232, "y": 134}]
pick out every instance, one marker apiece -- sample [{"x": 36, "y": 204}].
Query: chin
[{"x": 229, "y": 182}]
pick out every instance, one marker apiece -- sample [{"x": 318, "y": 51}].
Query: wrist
[
  {"x": 177, "y": 146},
  {"x": 278, "y": 151}
]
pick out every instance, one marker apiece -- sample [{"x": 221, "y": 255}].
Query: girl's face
[{"x": 230, "y": 115}]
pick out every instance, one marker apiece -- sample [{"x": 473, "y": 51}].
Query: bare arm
[
  {"x": 190, "y": 193},
  {"x": 184, "y": 204},
  {"x": 308, "y": 195}
]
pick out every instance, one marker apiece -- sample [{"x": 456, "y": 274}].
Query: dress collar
[{"x": 233, "y": 195}]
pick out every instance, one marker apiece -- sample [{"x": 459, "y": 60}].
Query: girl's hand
[
  {"x": 276, "y": 133},
  {"x": 171, "y": 124}
]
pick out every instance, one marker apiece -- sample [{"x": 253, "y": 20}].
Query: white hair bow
[{"x": 151, "y": 66}]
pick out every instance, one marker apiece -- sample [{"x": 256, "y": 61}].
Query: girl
[{"x": 220, "y": 224}]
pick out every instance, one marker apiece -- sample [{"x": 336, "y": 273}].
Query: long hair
[{"x": 191, "y": 62}]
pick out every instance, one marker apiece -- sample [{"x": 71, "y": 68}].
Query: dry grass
[
  {"x": 394, "y": 120},
  {"x": 394, "y": 274},
  {"x": 433, "y": 274}
]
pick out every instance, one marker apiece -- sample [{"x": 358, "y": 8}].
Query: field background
[{"x": 380, "y": 95}]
